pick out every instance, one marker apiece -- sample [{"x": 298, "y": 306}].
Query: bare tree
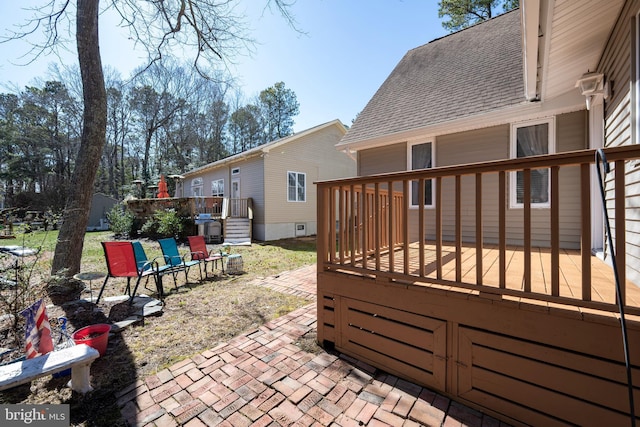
[{"x": 212, "y": 31}]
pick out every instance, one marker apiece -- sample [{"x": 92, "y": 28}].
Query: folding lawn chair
[
  {"x": 121, "y": 262},
  {"x": 144, "y": 264},
  {"x": 173, "y": 258},
  {"x": 199, "y": 251}
]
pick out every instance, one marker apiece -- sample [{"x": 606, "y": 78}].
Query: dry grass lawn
[{"x": 194, "y": 318}]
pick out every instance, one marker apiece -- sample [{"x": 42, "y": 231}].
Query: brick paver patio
[{"x": 263, "y": 378}]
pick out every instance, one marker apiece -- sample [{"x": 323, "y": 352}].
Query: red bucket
[{"x": 96, "y": 336}]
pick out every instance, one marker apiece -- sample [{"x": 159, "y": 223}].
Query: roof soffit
[{"x": 575, "y": 34}]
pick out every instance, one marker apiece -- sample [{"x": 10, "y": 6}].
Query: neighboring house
[
  {"x": 101, "y": 204},
  {"x": 460, "y": 257},
  {"x": 279, "y": 179}
]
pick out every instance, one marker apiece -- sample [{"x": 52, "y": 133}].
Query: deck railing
[
  {"x": 223, "y": 207},
  {"x": 367, "y": 225},
  {"x": 207, "y": 205},
  {"x": 237, "y": 208}
]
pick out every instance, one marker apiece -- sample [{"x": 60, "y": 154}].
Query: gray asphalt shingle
[{"x": 472, "y": 71}]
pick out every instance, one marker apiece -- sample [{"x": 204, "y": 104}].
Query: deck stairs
[{"x": 237, "y": 231}]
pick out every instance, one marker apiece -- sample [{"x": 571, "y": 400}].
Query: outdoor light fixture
[
  {"x": 177, "y": 178},
  {"x": 592, "y": 84}
]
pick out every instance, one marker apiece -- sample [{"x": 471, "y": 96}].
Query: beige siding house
[
  {"x": 279, "y": 179},
  {"x": 439, "y": 108}
]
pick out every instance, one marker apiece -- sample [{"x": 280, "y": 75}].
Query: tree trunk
[{"x": 68, "y": 252}]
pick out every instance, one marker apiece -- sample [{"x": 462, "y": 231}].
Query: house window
[
  {"x": 421, "y": 157},
  {"x": 217, "y": 188},
  {"x": 532, "y": 139},
  {"x": 296, "y": 187},
  {"x": 196, "y": 187},
  {"x": 235, "y": 171}
]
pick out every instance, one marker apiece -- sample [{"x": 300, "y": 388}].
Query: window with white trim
[
  {"x": 217, "y": 188},
  {"x": 296, "y": 186},
  {"x": 421, "y": 157},
  {"x": 235, "y": 171},
  {"x": 196, "y": 187},
  {"x": 532, "y": 138}
]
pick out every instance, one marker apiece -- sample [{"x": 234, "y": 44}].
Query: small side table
[
  {"x": 234, "y": 264},
  {"x": 90, "y": 276}
]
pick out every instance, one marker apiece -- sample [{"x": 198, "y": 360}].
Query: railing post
[
  {"x": 479, "y": 237},
  {"x": 379, "y": 219},
  {"x": 342, "y": 230},
  {"x": 585, "y": 223},
  {"x": 421, "y": 226},
  {"x": 502, "y": 228},
  {"x": 323, "y": 217},
  {"x": 405, "y": 232},
  {"x": 333, "y": 235},
  {"x": 458, "y": 236},
  {"x": 555, "y": 231},
  {"x": 365, "y": 223},
  {"x": 620, "y": 220},
  {"x": 438, "y": 207},
  {"x": 527, "y": 229},
  {"x": 392, "y": 242}
]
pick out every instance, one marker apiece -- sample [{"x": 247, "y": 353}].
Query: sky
[{"x": 346, "y": 51}]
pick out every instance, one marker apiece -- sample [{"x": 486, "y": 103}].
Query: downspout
[{"x": 530, "y": 16}]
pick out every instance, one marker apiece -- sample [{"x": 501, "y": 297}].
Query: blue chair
[
  {"x": 173, "y": 258},
  {"x": 144, "y": 264}
]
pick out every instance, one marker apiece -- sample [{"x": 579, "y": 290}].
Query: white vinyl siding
[{"x": 620, "y": 66}]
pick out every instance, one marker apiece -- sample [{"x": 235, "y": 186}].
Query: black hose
[{"x": 601, "y": 156}]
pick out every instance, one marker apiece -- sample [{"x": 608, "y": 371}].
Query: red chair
[
  {"x": 199, "y": 252},
  {"x": 121, "y": 262}
]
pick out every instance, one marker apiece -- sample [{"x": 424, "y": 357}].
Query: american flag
[{"x": 38, "y": 330}]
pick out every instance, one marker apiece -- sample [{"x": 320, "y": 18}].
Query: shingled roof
[{"x": 475, "y": 70}]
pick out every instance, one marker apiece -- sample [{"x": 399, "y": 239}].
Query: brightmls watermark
[{"x": 35, "y": 415}]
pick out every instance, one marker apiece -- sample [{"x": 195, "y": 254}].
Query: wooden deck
[
  {"x": 602, "y": 298},
  {"x": 570, "y": 273},
  {"x": 500, "y": 308}
]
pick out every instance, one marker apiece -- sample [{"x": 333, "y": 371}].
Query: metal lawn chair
[
  {"x": 144, "y": 264},
  {"x": 199, "y": 251},
  {"x": 121, "y": 262},
  {"x": 173, "y": 258}
]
